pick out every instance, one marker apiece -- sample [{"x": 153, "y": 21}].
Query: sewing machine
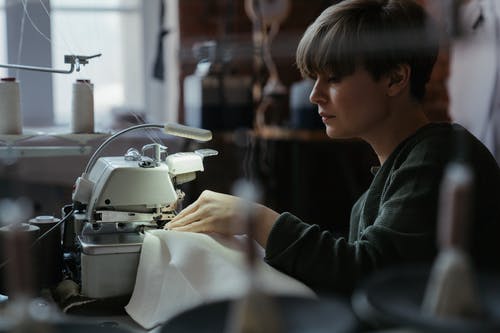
[{"x": 121, "y": 197}]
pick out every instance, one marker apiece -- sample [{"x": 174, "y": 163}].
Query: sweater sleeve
[
  {"x": 402, "y": 230},
  {"x": 330, "y": 264},
  {"x": 308, "y": 254}
]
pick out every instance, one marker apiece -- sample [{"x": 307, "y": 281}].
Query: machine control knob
[{"x": 132, "y": 154}]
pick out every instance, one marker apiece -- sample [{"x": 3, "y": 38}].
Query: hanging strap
[{"x": 159, "y": 67}]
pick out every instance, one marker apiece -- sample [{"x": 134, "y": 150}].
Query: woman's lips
[{"x": 325, "y": 117}]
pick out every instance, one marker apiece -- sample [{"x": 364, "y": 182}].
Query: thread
[
  {"x": 11, "y": 121},
  {"x": 82, "y": 108}
]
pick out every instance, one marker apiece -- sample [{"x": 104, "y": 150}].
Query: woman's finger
[
  {"x": 197, "y": 226},
  {"x": 188, "y": 210},
  {"x": 180, "y": 221}
]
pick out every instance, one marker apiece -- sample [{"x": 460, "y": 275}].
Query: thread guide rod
[{"x": 75, "y": 62}]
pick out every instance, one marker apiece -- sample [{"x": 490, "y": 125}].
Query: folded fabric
[{"x": 180, "y": 270}]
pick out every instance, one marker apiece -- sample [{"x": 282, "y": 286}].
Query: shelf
[
  {"x": 83, "y": 138},
  {"x": 9, "y": 139},
  {"x": 282, "y": 133},
  {"x": 15, "y": 152},
  {"x": 33, "y": 143}
]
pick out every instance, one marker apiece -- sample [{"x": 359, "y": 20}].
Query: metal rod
[
  {"x": 40, "y": 69},
  {"x": 74, "y": 60}
]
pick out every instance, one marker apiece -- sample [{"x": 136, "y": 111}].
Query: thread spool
[
  {"x": 21, "y": 264},
  {"x": 82, "y": 109},
  {"x": 50, "y": 255},
  {"x": 10, "y": 107},
  {"x": 455, "y": 206}
]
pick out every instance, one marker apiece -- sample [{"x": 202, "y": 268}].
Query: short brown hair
[{"x": 376, "y": 34}]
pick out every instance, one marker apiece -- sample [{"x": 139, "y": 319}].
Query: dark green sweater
[{"x": 394, "y": 221}]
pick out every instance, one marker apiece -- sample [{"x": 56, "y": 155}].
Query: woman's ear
[{"x": 399, "y": 79}]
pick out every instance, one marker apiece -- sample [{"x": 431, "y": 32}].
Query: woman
[{"x": 370, "y": 60}]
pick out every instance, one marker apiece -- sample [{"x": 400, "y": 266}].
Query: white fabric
[{"x": 180, "y": 270}]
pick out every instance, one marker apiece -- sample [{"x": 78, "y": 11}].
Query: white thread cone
[
  {"x": 11, "y": 121},
  {"x": 82, "y": 111}
]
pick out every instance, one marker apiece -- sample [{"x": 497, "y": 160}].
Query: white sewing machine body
[
  {"x": 124, "y": 195},
  {"x": 122, "y": 184}
]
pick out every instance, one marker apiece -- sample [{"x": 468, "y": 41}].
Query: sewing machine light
[
  {"x": 169, "y": 128},
  {"x": 188, "y": 132}
]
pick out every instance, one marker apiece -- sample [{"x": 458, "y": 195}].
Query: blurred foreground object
[
  {"x": 474, "y": 82},
  {"x": 450, "y": 297}
]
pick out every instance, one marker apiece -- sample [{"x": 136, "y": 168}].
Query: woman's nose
[{"x": 316, "y": 96}]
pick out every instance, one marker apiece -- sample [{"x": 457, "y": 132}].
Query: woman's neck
[{"x": 395, "y": 130}]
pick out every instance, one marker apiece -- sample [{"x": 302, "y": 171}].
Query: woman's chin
[{"x": 334, "y": 133}]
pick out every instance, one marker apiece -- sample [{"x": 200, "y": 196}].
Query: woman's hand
[{"x": 224, "y": 214}]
